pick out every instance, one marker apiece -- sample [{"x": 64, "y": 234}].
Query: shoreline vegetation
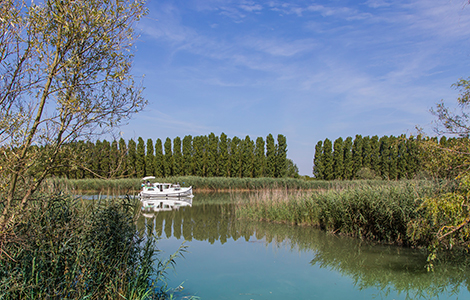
[
  {"x": 206, "y": 184},
  {"x": 75, "y": 249},
  {"x": 399, "y": 212}
]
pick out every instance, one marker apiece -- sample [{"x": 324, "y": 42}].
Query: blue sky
[{"x": 307, "y": 69}]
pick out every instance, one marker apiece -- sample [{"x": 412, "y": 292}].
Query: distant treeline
[
  {"x": 204, "y": 156},
  {"x": 388, "y": 157}
]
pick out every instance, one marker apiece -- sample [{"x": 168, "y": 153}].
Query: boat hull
[{"x": 182, "y": 192}]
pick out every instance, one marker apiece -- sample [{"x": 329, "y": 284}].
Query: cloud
[{"x": 377, "y": 3}]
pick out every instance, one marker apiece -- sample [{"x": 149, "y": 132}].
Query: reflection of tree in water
[{"x": 387, "y": 268}]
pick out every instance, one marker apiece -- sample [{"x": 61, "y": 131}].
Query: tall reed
[
  {"x": 64, "y": 248},
  {"x": 382, "y": 213},
  {"x": 129, "y": 185}
]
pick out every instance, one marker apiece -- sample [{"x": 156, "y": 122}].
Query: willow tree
[{"x": 65, "y": 70}]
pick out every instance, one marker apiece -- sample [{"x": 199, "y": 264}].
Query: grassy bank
[
  {"x": 61, "y": 248},
  {"x": 382, "y": 213},
  {"x": 132, "y": 185}
]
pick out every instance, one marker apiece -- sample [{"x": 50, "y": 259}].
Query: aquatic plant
[
  {"x": 65, "y": 248},
  {"x": 380, "y": 213}
]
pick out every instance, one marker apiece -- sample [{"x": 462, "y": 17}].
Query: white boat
[
  {"x": 152, "y": 190},
  {"x": 166, "y": 204}
]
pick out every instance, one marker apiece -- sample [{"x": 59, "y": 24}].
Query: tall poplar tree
[
  {"x": 223, "y": 156},
  {"x": 149, "y": 159},
  {"x": 140, "y": 158},
  {"x": 90, "y": 159},
  {"x": 260, "y": 158},
  {"x": 114, "y": 159},
  {"x": 348, "y": 161},
  {"x": 384, "y": 156},
  {"x": 327, "y": 159},
  {"x": 122, "y": 172},
  {"x": 270, "y": 156},
  {"x": 97, "y": 157},
  {"x": 188, "y": 155},
  {"x": 131, "y": 158},
  {"x": 366, "y": 152},
  {"x": 375, "y": 154},
  {"x": 281, "y": 156},
  {"x": 235, "y": 157},
  {"x": 248, "y": 157},
  {"x": 177, "y": 157},
  {"x": 158, "y": 163},
  {"x": 392, "y": 162},
  {"x": 318, "y": 166},
  {"x": 199, "y": 155},
  {"x": 105, "y": 161},
  {"x": 212, "y": 155},
  {"x": 402, "y": 157},
  {"x": 357, "y": 154},
  {"x": 168, "y": 158},
  {"x": 338, "y": 158}
]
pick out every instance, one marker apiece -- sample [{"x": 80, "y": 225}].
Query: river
[{"x": 228, "y": 258}]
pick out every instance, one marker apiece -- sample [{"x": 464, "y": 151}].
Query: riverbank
[
  {"x": 214, "y": 184},
  {"x": 61, "y": 247},
  {"x": 390, "y": 213}
]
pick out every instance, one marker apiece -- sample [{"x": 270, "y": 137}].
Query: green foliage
[
  {"x": 327, "y": 160},
  {"x": 338, "y": 154},
  {"x": 168, "y": 158},
  {"x": 149, "y": 159},
  {"x": 224, "y": 156},
  {"x": 65, "y": 74},
  {"x": 177, "y": 156},
  {"x": 259, "y": 165},
  {"x": 445, "y": 220},
  {"x": 235, "y": 157},
  {"x": 270, "y": 156},
  {"x": 381, "y": 212},
  {"x": 281, "y": 156},
  {"x": 62, "y": 248},
  {"x": 212, "y": 155},
  {"x": 248, "y": 157},
  {"x": 132, "y": 158},
  {"x": 159, "y": 160},
  {"x": 357, "y": 154},
  {"x": 318, "y": 167},
  {"x": 140, "y": 158},
  {"x": 347, "y": 161}
]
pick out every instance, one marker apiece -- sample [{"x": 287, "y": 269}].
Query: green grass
[
  {"x": 65, "y": 248},
  {"x": 374, "y": 212},
  {"x": 132, "y": 185}
]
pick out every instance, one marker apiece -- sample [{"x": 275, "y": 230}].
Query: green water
[{"x": 234, "y": 259}]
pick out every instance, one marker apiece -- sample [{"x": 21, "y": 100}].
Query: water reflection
[{"x": 386, "y": 268}]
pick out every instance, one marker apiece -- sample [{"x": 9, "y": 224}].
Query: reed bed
[
  {"x": 64, "y": 248},
  {"x": 380, "y": 213},
  {"x": 132, "y": 185}
]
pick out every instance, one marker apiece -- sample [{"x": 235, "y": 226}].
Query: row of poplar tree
[
  {"x": 388, "y": 157},
  {"x": 204, "y": 156}
]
